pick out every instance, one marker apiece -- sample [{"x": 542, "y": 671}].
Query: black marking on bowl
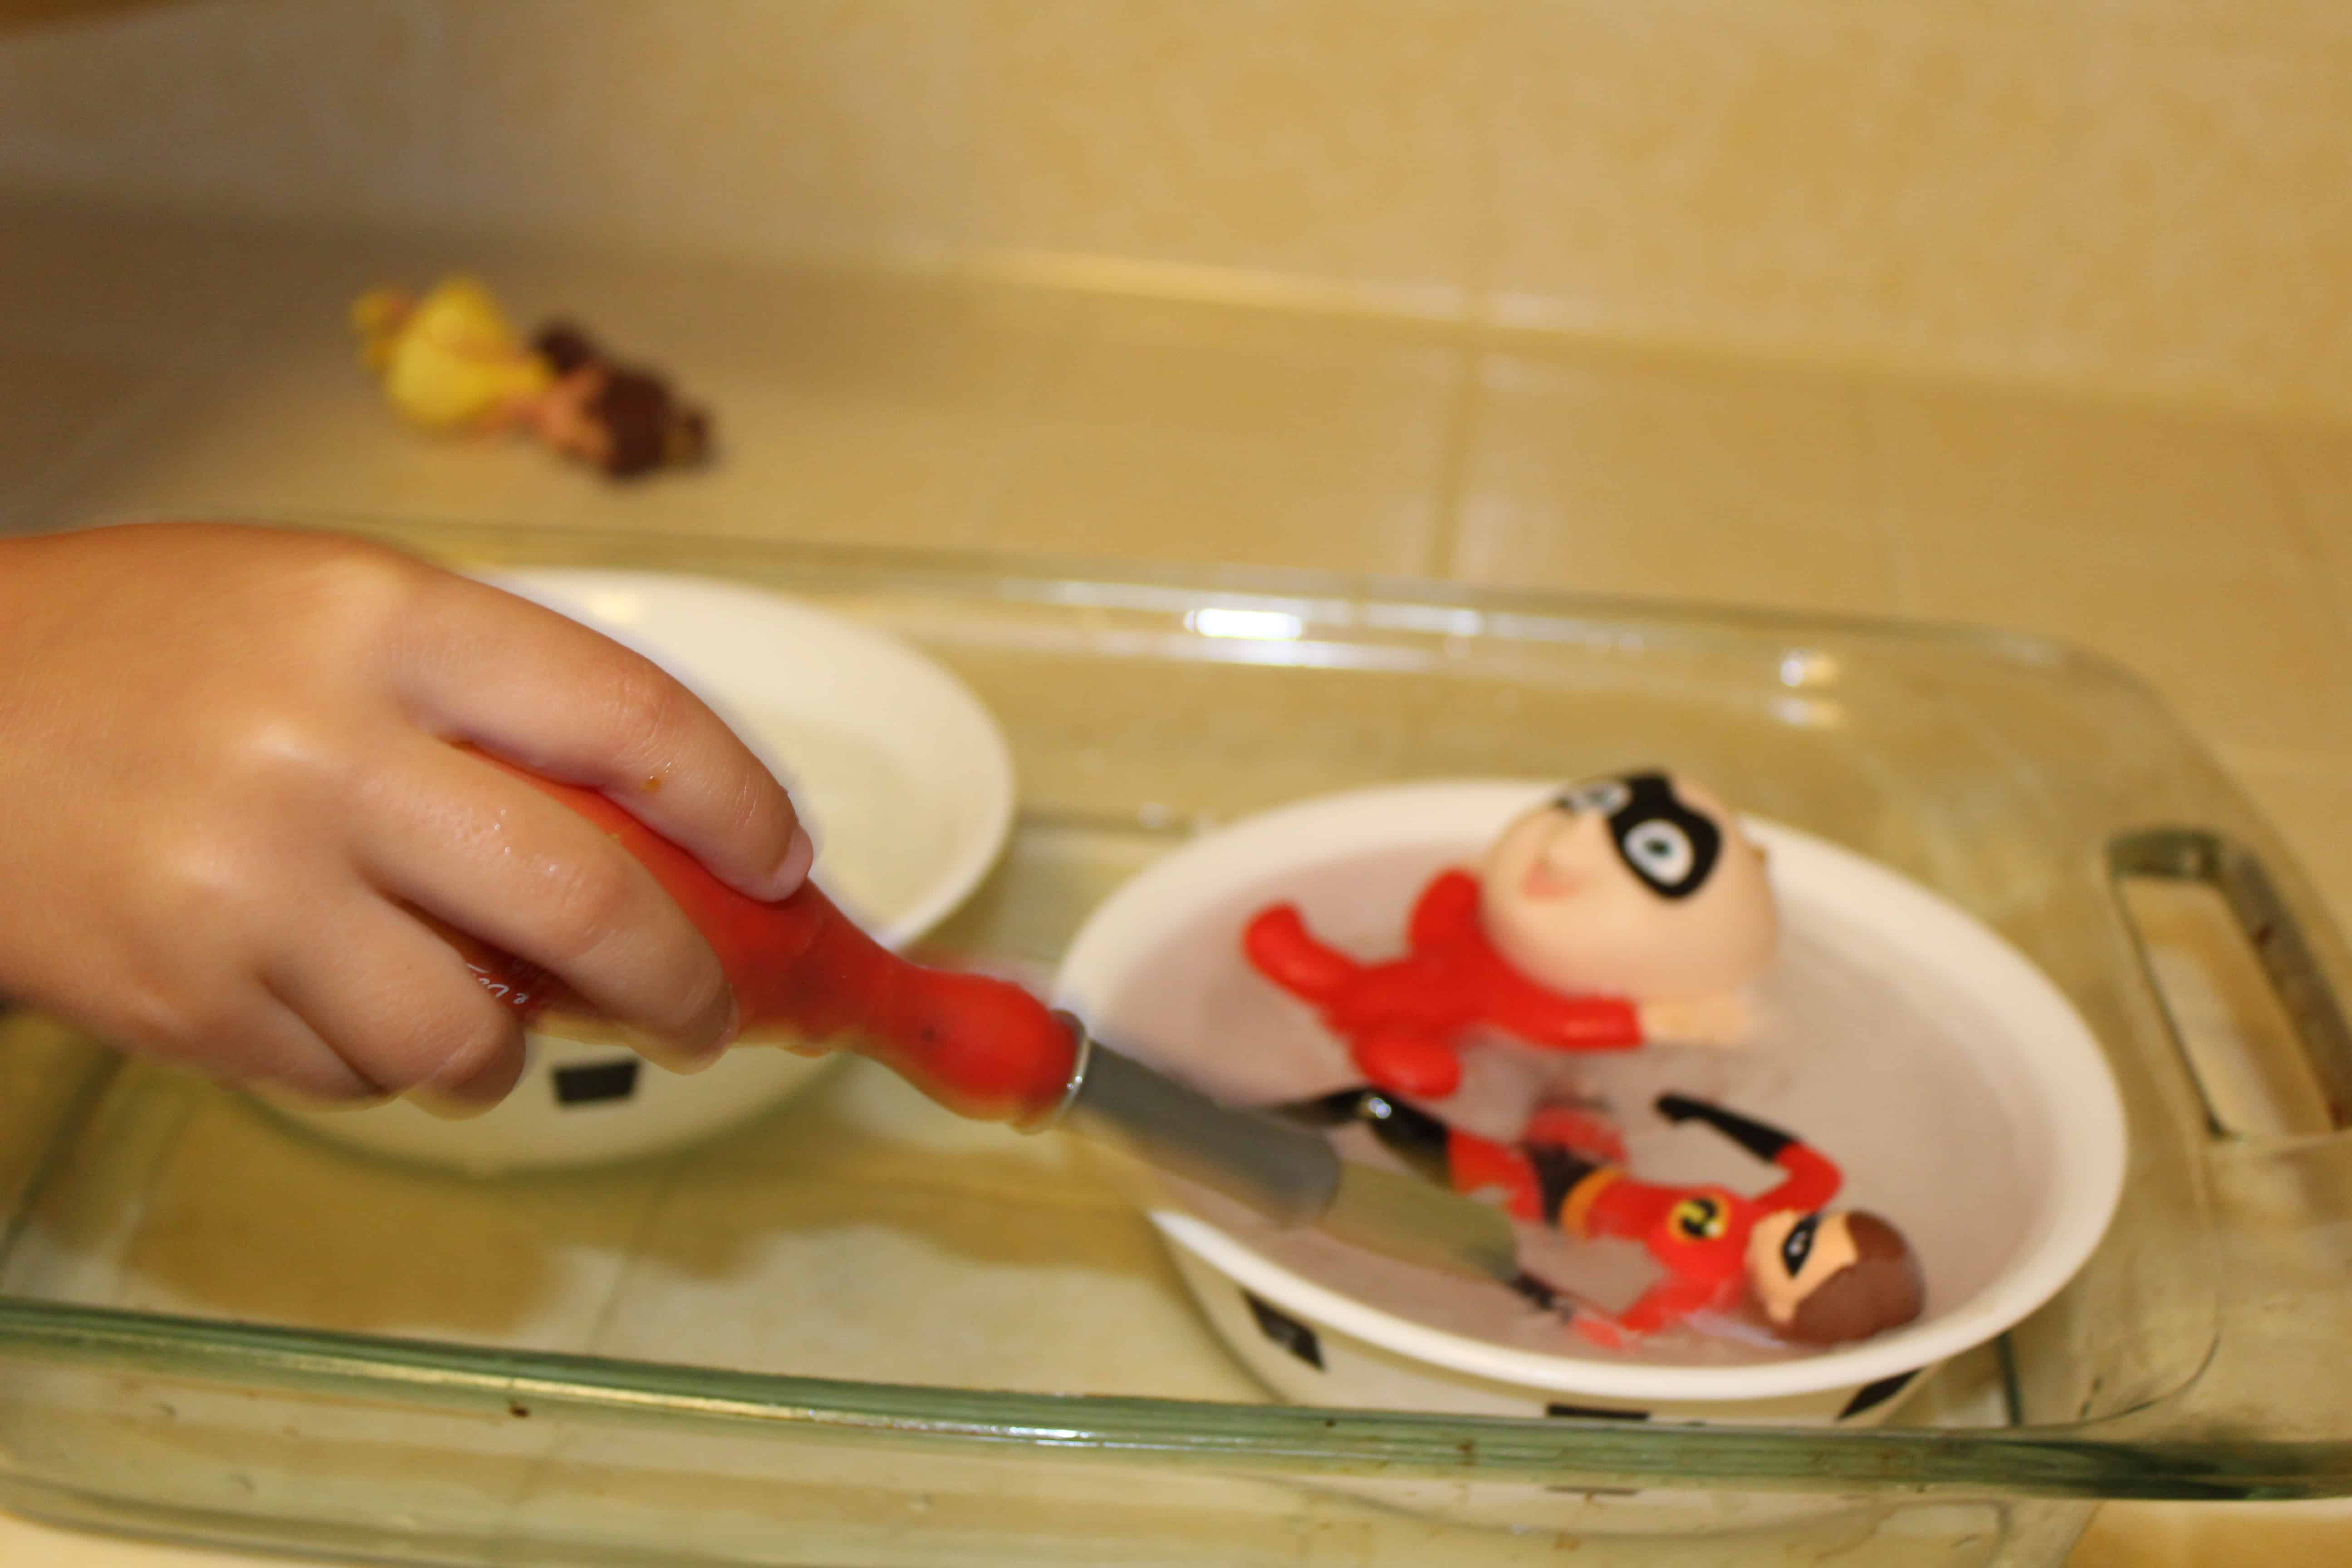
[
  {"x": 1594, "y": 1413},
  {"x": 1871, "y": 1394},
  {"x": 1287, "y": 1331},
  {"x": 596, "y": 1081}
]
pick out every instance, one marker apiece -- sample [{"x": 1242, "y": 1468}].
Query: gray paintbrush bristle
[{"x": 1407, "y": 1217}]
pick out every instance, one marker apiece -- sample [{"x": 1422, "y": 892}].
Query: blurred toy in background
[
  {"x": 1624, "y": 910},
  {"x": 620, "y": 418},
  {"x": 1818, "y": 1276},
  {"x": 449, "y": 360}
]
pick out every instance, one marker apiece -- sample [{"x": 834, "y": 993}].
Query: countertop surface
[{"x": 2209, "y": 551}]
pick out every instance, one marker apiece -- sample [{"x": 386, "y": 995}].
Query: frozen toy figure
[
  {"x": 450, "y": 361},
  {"x": 1623, "y": 911},
  {"x": 1818, "y": 1276}
]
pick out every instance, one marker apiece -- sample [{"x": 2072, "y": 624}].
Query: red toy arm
[
  {"x": 1280, "y": 947},
  {"x": 1543, "y": 1017},
  {"x": 1814, "y": 1180},
  {"x": 1446, "y": 922},
  {"x": 1398, "y": 1019},
  {"x": 1669, "y": 1303},
  {"x": 1446, "y": 913},
  {"x": 1661, "y": 1306}
]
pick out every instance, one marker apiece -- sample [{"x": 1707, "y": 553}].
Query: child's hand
[{"x": 229, "y": 812}]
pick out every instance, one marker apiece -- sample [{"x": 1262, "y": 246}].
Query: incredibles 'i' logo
[{"x": 1700, "y": 1218}]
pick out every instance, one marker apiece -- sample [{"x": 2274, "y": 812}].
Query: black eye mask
[
  {"x": 1798, "y": 1245},
  {"x": 1663, "y": 842}
]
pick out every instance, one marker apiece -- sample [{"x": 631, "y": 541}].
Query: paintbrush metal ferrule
[{"x": 1290, "y": 1174}]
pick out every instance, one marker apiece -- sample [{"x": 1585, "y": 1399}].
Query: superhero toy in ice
[
  {"x": 1622, "y": 910},
  {"x": 1818, "y": 1276}
]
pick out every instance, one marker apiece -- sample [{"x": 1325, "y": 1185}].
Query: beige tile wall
[
  {"x": 1702, "y": 481},
  {"x": 281, "y": 107},
  {"x": 2142, "y": 196}
]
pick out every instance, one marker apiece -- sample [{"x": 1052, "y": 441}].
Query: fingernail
[
  {"x": 793, "y": 869},
  {"x": 687, "y": 1066},
  {"x": 445, "y": 1106},
  {"x": 671, "y": 1058}
]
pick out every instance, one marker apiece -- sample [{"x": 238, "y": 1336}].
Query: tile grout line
[
  {"x": 1458, "y": 432},
  {"x": 1473, "y": 338}
]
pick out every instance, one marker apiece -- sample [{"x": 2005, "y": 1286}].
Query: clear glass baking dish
[{"x": 859, "y": 1333}]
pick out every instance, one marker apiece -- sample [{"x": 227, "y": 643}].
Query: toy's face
[
  {"x": 1640, "y": 886},
  {"x": 567, "y": 419},
  {"x": 622, "y": 422},
  {"x": 1791, "y": 1255}
]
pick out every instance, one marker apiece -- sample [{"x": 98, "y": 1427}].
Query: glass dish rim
[{"x": 2090, "y": 1460}]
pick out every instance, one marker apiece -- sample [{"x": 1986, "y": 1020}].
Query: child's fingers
[
  {"x": 215, "y": 1016},
  {"x": 552, "y": 696},
  {"x": 397, "y": 1005},
  {"x": 272, "y": 1045},
  {"x": 504, "y": 863}
]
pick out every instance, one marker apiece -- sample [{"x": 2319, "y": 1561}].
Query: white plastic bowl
[
  {"x": 903, "y": 776},
  {"x": 1961, "y": 1093}
]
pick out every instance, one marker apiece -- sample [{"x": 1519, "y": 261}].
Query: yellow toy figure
[{"x": 450, "y": 361}]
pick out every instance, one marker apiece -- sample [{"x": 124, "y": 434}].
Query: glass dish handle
[{"x": 2245, "y": 981}]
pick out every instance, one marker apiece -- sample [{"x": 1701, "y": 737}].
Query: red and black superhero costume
[
  {"x": 1697, "y": 1235},
  {"x": 1402, "y": 1020}
]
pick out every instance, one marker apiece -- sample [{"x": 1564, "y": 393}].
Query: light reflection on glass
[
  {"x": 1265, "y": 625},
  {"x": 1809, "y": 713},
  {"x": 1808, "y": 667}
]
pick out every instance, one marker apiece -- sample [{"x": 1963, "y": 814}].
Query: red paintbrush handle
[{"x": 983, "y": 1047}]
